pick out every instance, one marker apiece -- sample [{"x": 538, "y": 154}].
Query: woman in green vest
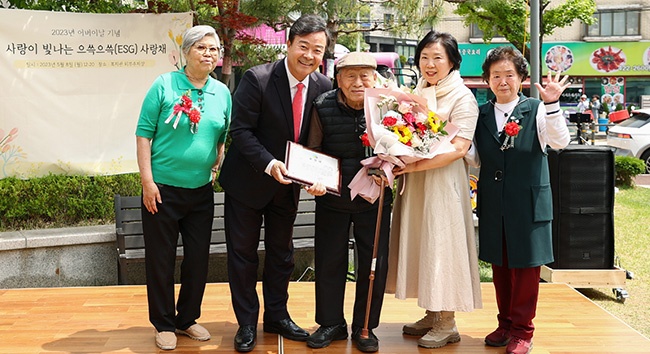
[{"x": 514, "y": 191}]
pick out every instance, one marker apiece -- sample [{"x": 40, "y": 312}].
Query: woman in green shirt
[{"x": 180, "y": 140}]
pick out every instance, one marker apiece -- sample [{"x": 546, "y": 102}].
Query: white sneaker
[
  {"x": 422, "y": 326},
  {"x": 196, "y": 332},
  {"x": 166, "y": 340}
]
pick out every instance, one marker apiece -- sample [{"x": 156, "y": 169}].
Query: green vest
[{"x": 514, "y": 191}]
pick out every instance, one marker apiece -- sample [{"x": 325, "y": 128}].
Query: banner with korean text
[{"x": 71, "y": 87}]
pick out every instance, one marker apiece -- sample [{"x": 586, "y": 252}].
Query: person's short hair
[
  {"x": 357, "y": 59},
  {"x": 308, "y": 24},
  {"x": 505, "y": 53},
  {"x": 447, "y": 41},
  {"x": 595, "y": 96},
  {"x": 195, "y": 34}
]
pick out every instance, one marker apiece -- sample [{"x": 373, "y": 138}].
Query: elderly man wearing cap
[{"x": 336, "y": 127}]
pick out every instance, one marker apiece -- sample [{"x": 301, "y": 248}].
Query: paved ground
[{"x": 642, "y": 181}]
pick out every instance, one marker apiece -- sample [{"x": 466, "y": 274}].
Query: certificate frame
[{"x": 307, "y": 166}]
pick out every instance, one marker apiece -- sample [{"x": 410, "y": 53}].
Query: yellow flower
[
  {"x": 179, "y": 40},
  {"x": 403, "y": 133},
  {"x": 433, "y": 122},
  {"x": 171, "y": 35}
]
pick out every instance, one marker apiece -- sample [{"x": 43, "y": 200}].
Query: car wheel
[{"x": 646, "y": 159}]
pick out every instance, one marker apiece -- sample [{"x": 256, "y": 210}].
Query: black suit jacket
[{"x": 262, "y": 122}]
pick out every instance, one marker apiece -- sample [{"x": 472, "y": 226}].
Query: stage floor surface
[{"x": 113, "y": 319}]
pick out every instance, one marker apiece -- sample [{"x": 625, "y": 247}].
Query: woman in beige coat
[{"x": 432, "y": 248}]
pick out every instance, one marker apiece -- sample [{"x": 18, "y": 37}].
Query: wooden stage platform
[{"x": 113, "y": 319}]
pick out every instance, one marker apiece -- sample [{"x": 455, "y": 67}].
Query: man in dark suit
[{"x": 272, "y": 105}]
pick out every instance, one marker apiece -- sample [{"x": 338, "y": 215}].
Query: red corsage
[
  {"x": 511, "y": 130},
  {"x": 185, "y": 105}
]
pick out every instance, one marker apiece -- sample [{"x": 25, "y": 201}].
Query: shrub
[
  {"x": 627, "y": 167},
  {"x": 60, "y": 200}
]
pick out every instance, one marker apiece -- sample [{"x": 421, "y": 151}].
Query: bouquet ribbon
[{"x": 363, "y": 185}]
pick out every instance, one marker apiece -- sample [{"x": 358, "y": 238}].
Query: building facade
[{"x": 610, "y": 58}]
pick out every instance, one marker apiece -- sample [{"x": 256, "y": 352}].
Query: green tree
[
  {"x": 229, "y": 21},
  {"x": 341, "y": 15},
  {"x": 88, "y": 6},
  {"x": 511, "y": 18}
]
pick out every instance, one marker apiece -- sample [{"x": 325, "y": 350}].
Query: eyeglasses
[{"x": 210, "y": 50}]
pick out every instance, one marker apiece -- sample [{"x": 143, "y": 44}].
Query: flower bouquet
[{"x": 401, "y": 130}]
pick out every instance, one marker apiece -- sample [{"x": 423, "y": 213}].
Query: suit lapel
[
  {"x": 313, "y": 92},
  {"x": 281, "y": 82}
]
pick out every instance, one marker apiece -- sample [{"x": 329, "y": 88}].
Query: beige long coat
[{"x": 432, "y": 253}]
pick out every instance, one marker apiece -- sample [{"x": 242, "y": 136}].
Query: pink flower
[
  {"x": 405, "y": 107},
  {"x": 409, "y": 117}
]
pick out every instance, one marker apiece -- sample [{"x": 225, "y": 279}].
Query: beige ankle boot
[
  {"x": 422, "y": 326},
  {"x": 443, "y": 332}
]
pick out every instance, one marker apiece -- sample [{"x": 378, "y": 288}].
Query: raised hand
[{"x": 554, "y": 87}]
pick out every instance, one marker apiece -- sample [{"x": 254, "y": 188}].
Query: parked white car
[{"x": 631, "y": 137}]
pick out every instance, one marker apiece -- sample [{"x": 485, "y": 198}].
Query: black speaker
[{"x": 582, "y": 181}]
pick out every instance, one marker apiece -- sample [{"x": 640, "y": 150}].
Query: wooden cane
[{"x": 382, "y": 186}]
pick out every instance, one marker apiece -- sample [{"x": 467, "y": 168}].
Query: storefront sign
[{"x": 574, "y": 58}]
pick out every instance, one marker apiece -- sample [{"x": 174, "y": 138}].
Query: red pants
[{"x": 517, "y": 290}]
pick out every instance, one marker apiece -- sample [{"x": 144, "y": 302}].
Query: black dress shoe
[
  {"x": 366, "y": 345},
  {"x": 245, "y": 339},
  {"x": 324, "y": 335},
  {"x": 286, "y": 328}
]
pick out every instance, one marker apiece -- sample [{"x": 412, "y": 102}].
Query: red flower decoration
[
  {"x": 187, "y": 102},
  {"x": 195, "y": 116},
  {"x": 364, "y": 140},
  {"x": 185, "y": 105},
  {"x": 390, "y": 121},
  {"x": 512, "y": 128}
]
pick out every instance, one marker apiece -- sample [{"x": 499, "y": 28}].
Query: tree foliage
[
  {"x": 341, "y": 15},
  {"x": 511, "y": 18},
  {"x": 231, "y": 17},
  {"x": 88, "y": 6}
]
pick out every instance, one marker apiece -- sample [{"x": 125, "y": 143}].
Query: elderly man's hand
[
  {"x": 378, "y": 179},
  {"x": 317, "y": 189}
]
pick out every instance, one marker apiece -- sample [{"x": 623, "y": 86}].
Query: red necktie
[{"x": 297, "y": 111}]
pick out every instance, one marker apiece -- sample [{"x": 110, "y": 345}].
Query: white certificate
[{"x": 307, "y": 166}]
